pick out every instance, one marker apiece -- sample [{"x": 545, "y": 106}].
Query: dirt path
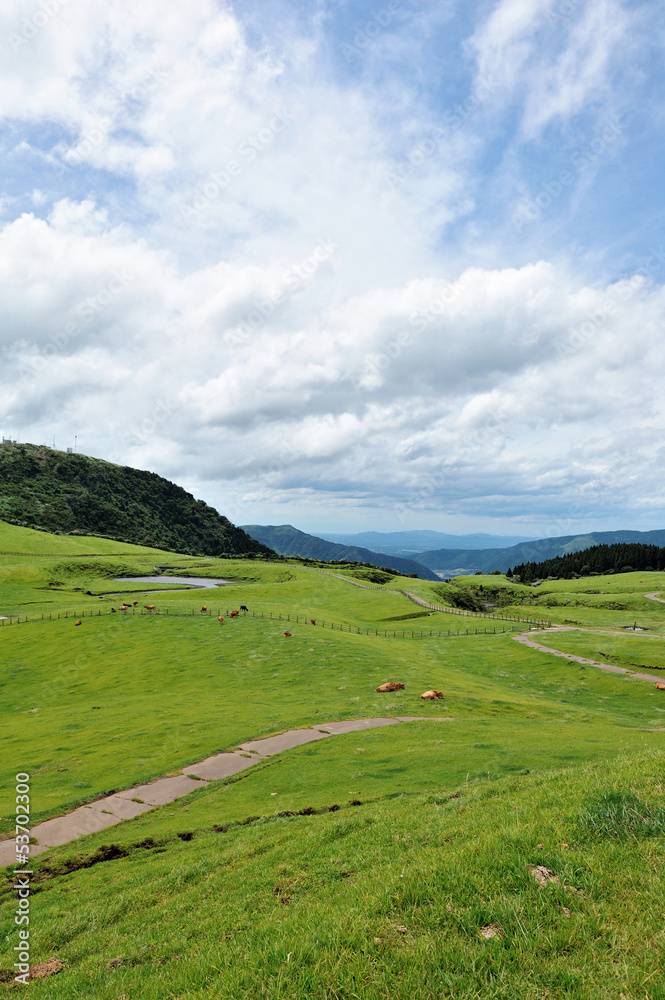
[
  {"x": 654, "y": 597},
  {"x": 525, "y": 641},
  {"x": 113, "y": 809}
]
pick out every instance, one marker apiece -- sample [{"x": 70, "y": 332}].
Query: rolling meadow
[{"x": 366, "y": 865}]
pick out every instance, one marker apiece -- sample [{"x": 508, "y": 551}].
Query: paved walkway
[
  {"x": 113, "y": 809},
  {"x": 580, "y": 659}
]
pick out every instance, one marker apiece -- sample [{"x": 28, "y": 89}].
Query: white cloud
[
  {"x": 173, "y": 321},
  {"x": 555, "y": 59}
]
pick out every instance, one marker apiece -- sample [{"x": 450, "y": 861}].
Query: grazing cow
[
  {"x": 390, "y": 686},
  {"x": 431, "y": 695},
  {"x": 234, "y": 614},
  {"x": 221, "y": 618},
  {"x": 134, "y": 603},
  {"x": 204, "y": 609},
  {"x": 244, "y": 607},
  {"x": 659, "y": 686},
  {"x": 124, "y": 607},
  {"x": 287, "y": 633},
  {"x": 79, "y": 622},
  {"x": 149, "y": 607},
  {"x": 312, "y": 621},
  {"x": 113, "y": 610}
]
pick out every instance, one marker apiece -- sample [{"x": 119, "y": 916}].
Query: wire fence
[
  {"x": 435, "y": 607},
  {"x": 474, "y": 614},
  {"x": 287, "y": 618}
]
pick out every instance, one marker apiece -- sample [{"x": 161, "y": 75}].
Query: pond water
[{"x": 190, "y": 581}]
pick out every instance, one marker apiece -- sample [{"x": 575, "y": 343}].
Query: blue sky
[{"x": 344, "y": 265}]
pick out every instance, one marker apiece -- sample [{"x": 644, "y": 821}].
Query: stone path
[
  {"x": 580, "y": 659},
  {"x": 113, "y": 809}
]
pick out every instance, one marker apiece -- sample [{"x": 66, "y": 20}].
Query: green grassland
[
  {"x": 393, "y": 761},
  {"x": 123, "y": 699},
  {"x": 633, "y": 651},
  {"x": 383, "y": 899},
  {"x": 615, "y": 601},
  {"x": 522, "y": 739}
]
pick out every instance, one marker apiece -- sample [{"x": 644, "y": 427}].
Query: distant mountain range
[
  {"x": 288, "y": 541},
  {"x": 408, "y": 544},
  {"x": 442, "y": 562}
]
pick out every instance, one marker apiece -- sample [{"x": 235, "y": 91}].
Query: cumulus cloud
[{"x": 226, "y": 284}]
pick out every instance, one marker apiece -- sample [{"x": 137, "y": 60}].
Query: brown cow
[
  {"x": 124, "y": 607},
  {"x": 204, "y": 609},
  {"x": 134, "y": 603},
  {"x": 390, "y": 686},
  {"x": 659, "y": 686},
  {"x": 149, "y": 607},
  {"x": 221, "y": 618},
  {"x": 431, "y": 695},
  {"x": 287, "y": 633},
  {"x": 312, "y": 621},
  {"x": 78, "y": 623},
  {"x": 234, "y": 614}
]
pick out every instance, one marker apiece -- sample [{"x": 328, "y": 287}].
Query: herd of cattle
[{"x": 382, "y": 689}]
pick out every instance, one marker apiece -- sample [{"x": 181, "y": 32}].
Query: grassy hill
[
  {"x": 59, "y": 492},
  {"x": 366, "y": 865},
  {"x": 501, "y": 559},
  {"x": 289, "y": 541},
  {"x": 391, "y": 897}
]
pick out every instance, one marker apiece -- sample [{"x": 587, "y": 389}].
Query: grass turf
[
  {"x": 384, "y": 899},
  {"x": 122, "y": 699}
]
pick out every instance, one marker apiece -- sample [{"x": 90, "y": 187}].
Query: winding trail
[
  {"x": 123, "y": 805},
  {"x": 473, "y": 614},
  {"x": 525, "y": 641},
  {"x": 131, "y": 802}
]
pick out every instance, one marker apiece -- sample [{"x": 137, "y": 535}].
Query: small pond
[{"x": 189, "y": 581}]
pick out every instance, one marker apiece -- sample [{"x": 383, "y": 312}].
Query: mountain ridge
[
  {"x": 290, "y": 541},
  {"x": 407, "y": 544},
  {"x": 449, "y": 561}
]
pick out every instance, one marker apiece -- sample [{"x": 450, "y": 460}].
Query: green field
[
  {"x": 633, "y": 651},
  {"x": 522, "y": 739},
  {"x": 387, "y": 898}
]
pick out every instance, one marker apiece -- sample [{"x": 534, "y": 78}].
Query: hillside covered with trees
[
  {"x": 289, "y": 541},
  {"x": 76, "y": 494},
  {"x": 598, "y": 559}
]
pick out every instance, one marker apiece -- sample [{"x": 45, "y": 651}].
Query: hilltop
[{"x": 75, "y": 494}]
